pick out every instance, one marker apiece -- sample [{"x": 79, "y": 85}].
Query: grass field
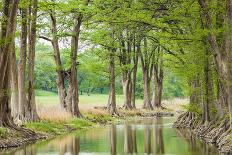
[
  {"x": 49, "y": 109},
  {"x": 44, "y": 98},
  {"x": 49, "y": 98}
]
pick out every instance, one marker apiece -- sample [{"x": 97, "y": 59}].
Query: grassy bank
[
  {"x": 52, "y": 127},
  {"x": 54, "y": 121}
]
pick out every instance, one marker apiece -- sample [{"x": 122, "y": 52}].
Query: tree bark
[
  {"x": 158, "y": 75},
  {"x": 73, "y": 84},
  {"x": 222, "y": 53},
  {"x": 59, "y": 68},
  {"x": 32, "y": 111},
  {"x": 22, "y": 67},
  {"x": 208, "y": 89},
  {"x": 5, "y": 111},
  {"x": 14, "y": 82},
  {"x": 112, "y": 92},
  {"x": 146, "y": 90},
  {"x": 146, "y": 68},
  {"x": 134, "y": 75},
  {"x": 125, "y": 60}
]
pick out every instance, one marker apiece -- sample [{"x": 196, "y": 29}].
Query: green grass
[
  {"x": 80, "y": 123},
  {"x": 50, "y": 98},
  {"x": 46, "y": 127},
  {"x": 54, "y": 128},
  {"x": 45, "y": 93},
  {"x": 103, "y": 118}
]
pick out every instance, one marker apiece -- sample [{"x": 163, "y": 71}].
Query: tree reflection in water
[
  {"x": 150, "y": 136},
  {"x": 194, "y": 147},
  {"x": 147, "y": 139},
  {"x": 113, "y": 139},
  {"x": 158, "y": 137}
]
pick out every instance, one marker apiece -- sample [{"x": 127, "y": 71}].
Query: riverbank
[
  {"x": 47, "y": 129},
  {"x": 217, "y": 132},
  {"x": 52, "y": 125}
]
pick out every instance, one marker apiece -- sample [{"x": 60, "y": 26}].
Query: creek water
[{"x": 148, "y": 136}]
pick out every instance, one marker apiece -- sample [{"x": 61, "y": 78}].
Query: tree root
[{"x": 215, "y": 132}]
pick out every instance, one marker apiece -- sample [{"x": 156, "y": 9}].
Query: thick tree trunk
[
  {"x": 158, "y": 75},
  {"x": 5, "y": 111},
  {"x": 146, "y": 90},
  {"x": 32, "y": 111},
  {"x": 195, "y": 91},
  {"x": 222, "y": 53},
  {"x": 59, "y": 68},
  {"x": 134, "y": 77},
  {"x": 14, "y": 82},
  {"x": 126, "y": 92},
  {"x": 158, "y": 94},
  {"x": 146, "y": 68},
  {"x": 73, "y": 84},
  {"x": 125, "y": 60},
  {"x": 112, "y": 93},
  {"x": 208, "y": 89},
  {"x": 23, "y": 104}
]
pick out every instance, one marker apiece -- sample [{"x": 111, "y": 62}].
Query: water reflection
[
  {"x": 113, "y": 139},
  {"x": 158, "y": 137},
  {"x": 194, "y": 146},
  {"x": 153, "y": 136}
]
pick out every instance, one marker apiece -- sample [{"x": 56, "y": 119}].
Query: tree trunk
[
  {"x": 158, "y": 94},
  {"x": 5, "y": 111},
  {"x": 146, "y": 90},
  {"x": 112, "y": 93},
  {"x": 194, "y": 91},
  {"x": 208, "y": 89},
  {"x": 73, "y": 84},
  {"x": 32, "y": 111},
  {"x": 22, "y": 67},
  {"x": 125, "y": 60},
  {"x": 14, "y": 82},
  {"x": 126, "y": 91},
  {"x": 158, "y": 75},
  {"x": 59, "y": 68},
  {"x": 146, "y": 68},
  {"x": 134, "y": 77},
  {"x": 221, "y": 52}
]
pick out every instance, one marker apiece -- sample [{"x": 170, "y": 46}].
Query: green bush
[{"x": 195, "y": 108}]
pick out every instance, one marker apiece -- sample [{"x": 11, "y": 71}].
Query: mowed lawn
[{"x": 45, "y": 98}]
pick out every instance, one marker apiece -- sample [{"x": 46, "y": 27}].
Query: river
[{"x": 146, "y": 136}]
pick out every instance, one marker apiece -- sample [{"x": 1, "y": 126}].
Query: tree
[{"x": 8, "y": 27}]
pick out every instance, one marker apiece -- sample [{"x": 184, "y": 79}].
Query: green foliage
[
  {"x": 3, "y": 132},
  {"x": 195, "y": 108}
]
